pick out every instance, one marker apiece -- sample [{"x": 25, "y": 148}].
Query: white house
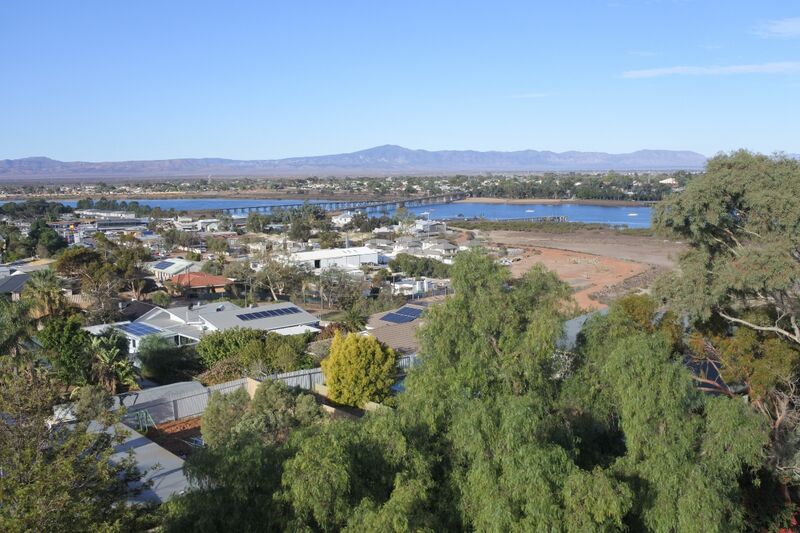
[
  {"x": 346, "y": 258},
  {"x": 342, "y": 219},
  {"x": 165, "y": 269},
  {"x": 187, "y": 324}
]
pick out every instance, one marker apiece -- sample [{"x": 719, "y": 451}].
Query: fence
[
  {"x": 176, "y": 408},
  {"x": 190, "y": 403},
  {"x": 307, "y": 379}
]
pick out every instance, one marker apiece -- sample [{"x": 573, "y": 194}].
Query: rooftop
[
  {"x": 332, "y": 253},
  {"x": 200, "y": 279},
  {"x": 226, "y": 315}
]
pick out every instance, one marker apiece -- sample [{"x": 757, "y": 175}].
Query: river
[{"x": 635, "y": 217}]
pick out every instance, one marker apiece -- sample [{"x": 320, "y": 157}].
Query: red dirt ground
[{"x": 174, "y": 436}]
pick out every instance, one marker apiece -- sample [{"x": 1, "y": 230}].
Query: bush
[
  {"x": 220, "y": 345},
  {"x": 164, "y": 362},
  {"x": 274, "y": 410},
  {"x": 223, "y": 371},
  {"x": 235, "y": 353},
  {"x": 359, "y": 369},
  {"x": 419, "y": 266},
  {"x": 161, "y": 299}
]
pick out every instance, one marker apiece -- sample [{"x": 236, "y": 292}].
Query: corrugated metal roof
[{"x": 164, "y": 469}]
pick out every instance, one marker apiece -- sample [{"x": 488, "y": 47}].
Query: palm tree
[
  {"x": 16, "y": 327},
  {"x": 353, "y": 320},
  {"x": 110, "y": 367},
  {"x": 43, "y": 292}
]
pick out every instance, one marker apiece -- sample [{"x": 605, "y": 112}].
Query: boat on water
[
  {"x": 530, "y": 211},
  {"x": 633, "y": 214}
]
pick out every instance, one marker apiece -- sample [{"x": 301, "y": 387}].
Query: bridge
[{"x": 366, "y": 206}]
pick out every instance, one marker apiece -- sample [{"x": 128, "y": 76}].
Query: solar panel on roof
[
  {"x": 140, "y": 330},
  {"x": 161, "y": 265},
  {"x": 409, "y": 311},
  {"x": 397, "y": 319},
  {"x": 293, "y": 310},
  {"x": 245, "y": 316}
]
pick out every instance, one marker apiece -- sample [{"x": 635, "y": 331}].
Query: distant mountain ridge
[{"x": 381, "y": 160}]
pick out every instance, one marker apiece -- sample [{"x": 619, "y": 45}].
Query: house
[
  {"x": 346, "y": 258},
  {"x": 11, "y": 286},
  {"x": 165, "y": 269},
  {"x": 429, "y": 227},
  {"x": 342, "y": 219},
  {"x": 199, "y": 284},
  {"x": 414, "y": 286},
  {"x": 134, "y": 309},
  {"x": 187, "y": 324},
  {"x": 397, "y": 329}
]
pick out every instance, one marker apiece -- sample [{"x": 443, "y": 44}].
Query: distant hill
[{"x": 381, "y": 160}]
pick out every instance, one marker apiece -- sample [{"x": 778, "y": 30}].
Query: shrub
[
  {"x": 164, "y": 362},
  {"x": 223, "y": 344},
  {"x": 359, "y": 369},
  {"x": 161, "y": 299}
]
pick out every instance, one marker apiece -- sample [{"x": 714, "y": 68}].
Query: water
[
  {"x": 635, "y": 217},
  {"x": 590, "y": 214}
]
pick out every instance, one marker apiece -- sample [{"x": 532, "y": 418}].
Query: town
[{"x": 393, "y": 267}]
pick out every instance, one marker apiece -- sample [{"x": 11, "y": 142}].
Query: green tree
[
  {"x": 165, "y": 362},
  {"x": 338, "y": 288},
  {"x": 222, "y": 414},
  {"x": 110, "y": 365},
  {"x": 220, "y": 345},
  {"x": 161, "y": 299},
  {"x": 213, "y": 267},
  {"x": 739, "y": 284},
  {"x": 359, "y": 369},
  {"x": 353, "y": 321},
  {"x": 16, "y": 327},
  {"x": 741, "y": 221},
  {"x": 68, "y": 347},
  {"x": 237, "y": 475},
  {"x": 300, "y": 231},
  {"x": 44, "y": 239},
  {"x": 43, "y": 292},
  {"x": 329, "y": 239},
  {"x": 419, "y": 266},
  {"x": 60, "y": 478},
  {"x": 217, "y": 245}
]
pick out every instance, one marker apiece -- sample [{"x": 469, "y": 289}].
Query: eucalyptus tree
[{"x": 741, "y": 221}]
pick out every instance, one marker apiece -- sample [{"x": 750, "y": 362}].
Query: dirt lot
[
  {"x": 175, "y": 436},
  {"x": 593, "y": 262}
]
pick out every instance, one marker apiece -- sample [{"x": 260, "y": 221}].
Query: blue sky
[{"x": 251, "y": 80}]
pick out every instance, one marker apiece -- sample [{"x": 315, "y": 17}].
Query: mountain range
[{"x": 381, "y": 160}]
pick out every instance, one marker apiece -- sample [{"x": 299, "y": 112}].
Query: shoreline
[
  {"x": 550, "y": 201},
  {"x": 300, "y": 197}
]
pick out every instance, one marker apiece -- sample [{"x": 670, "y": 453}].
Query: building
[
  {"x": 187, "y": 324},
  {"x": 345, "y": 258},
  {"x": 397, "y": 329},
  {"x": 200, "y": 284},
  {"x": 342, "y": 219},
  {"x": 134, "y": 309},
  {"x": 11, "y": 286},
  {"x": 167, "y": 268}
]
